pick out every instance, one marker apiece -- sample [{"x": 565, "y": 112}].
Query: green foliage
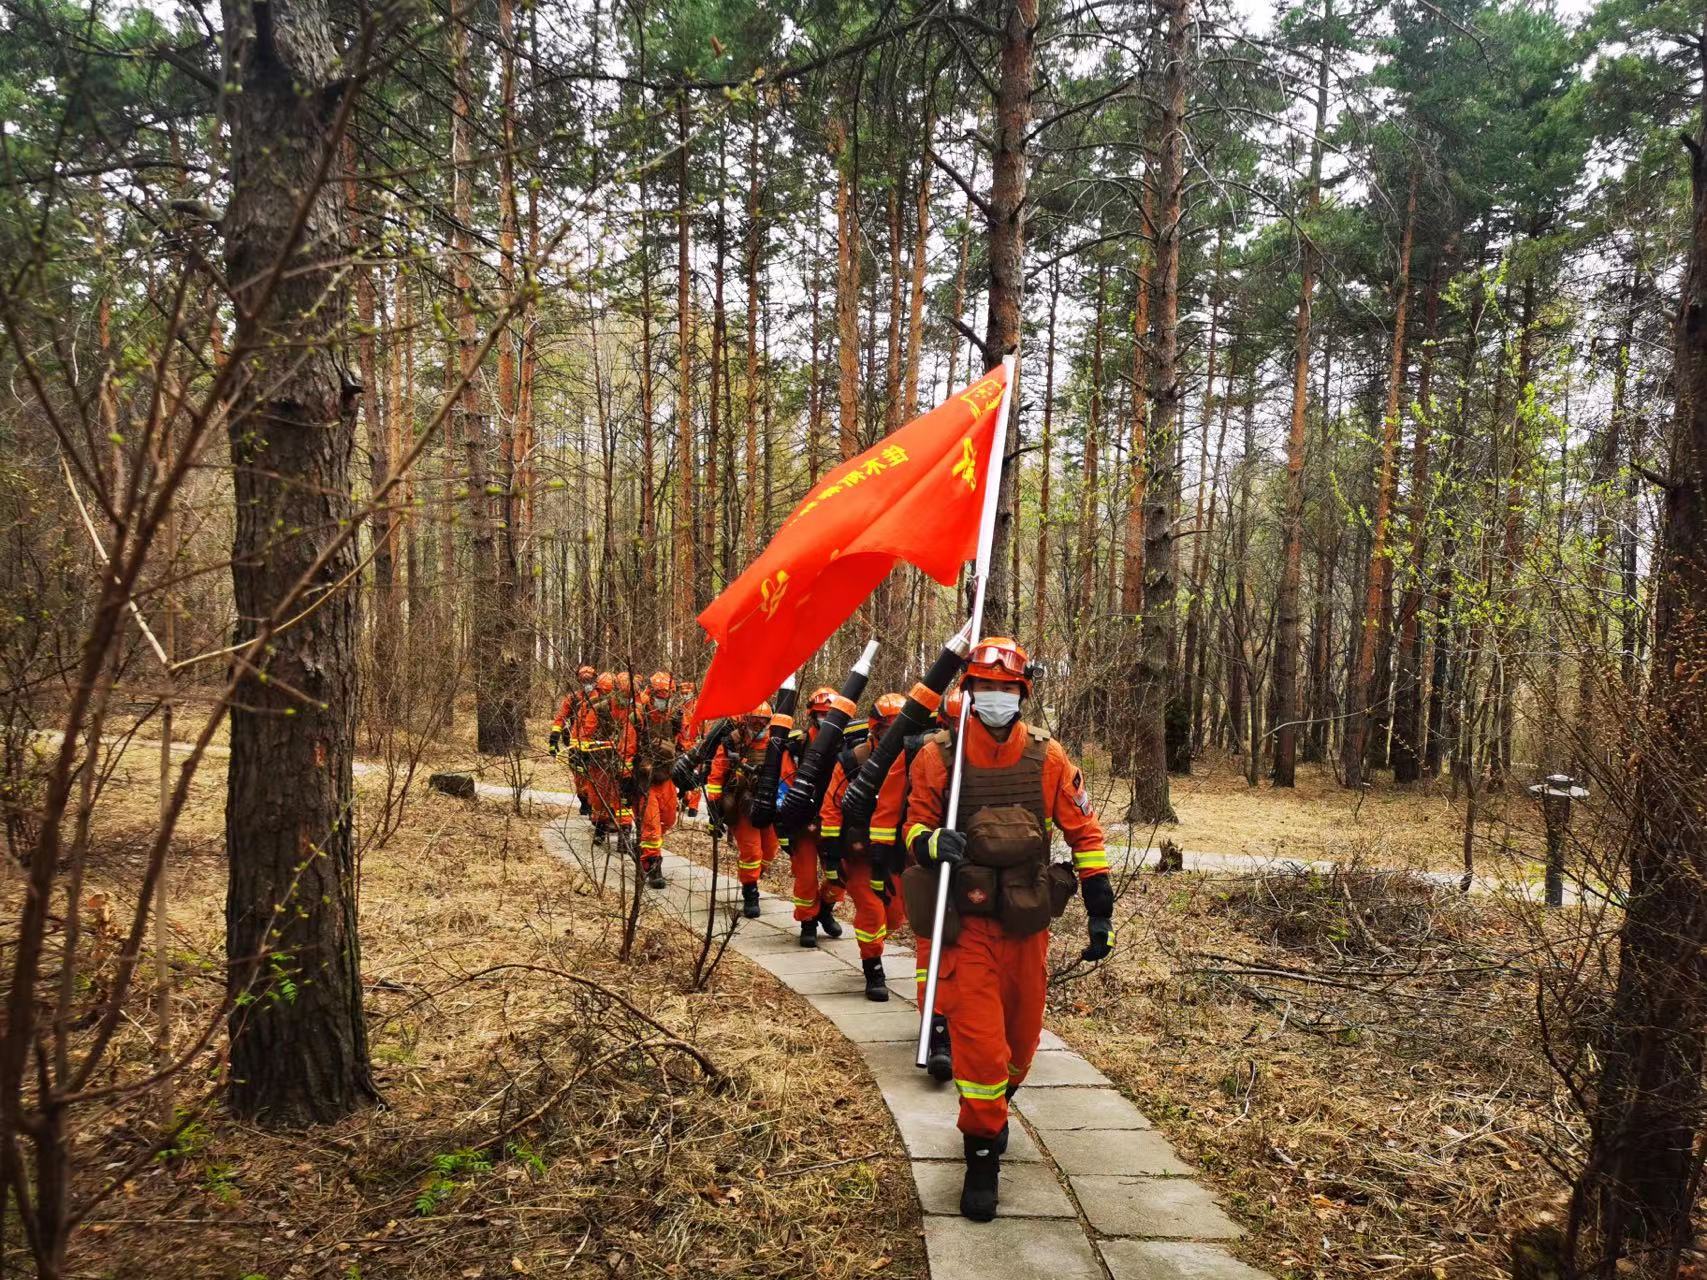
[{"x": 450, "y": 1172}]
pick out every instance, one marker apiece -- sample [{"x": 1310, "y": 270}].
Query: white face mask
[{"x": 996, "y": 707}]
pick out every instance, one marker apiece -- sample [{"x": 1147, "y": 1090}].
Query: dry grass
[
  {"x": 1362, "y": 1083},
  {"x": 1417, "y": 827},
  {"x": 533, "y": 1124}
]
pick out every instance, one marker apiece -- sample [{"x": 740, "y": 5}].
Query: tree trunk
[
  {"x": 1007, "y": 260},
  {"x": 1153, "y": 686},
  {"x": 1640, "y": 1182},
  {"x": 1289, "y": 609},
  {"x": 1200, "y": 673},
  {"x": 1408, "y": 724},
  {"x": 685, "y": 568},
  {"x": 1360, "y": 694},
  {"x": 815, "y": 376},
  {"x": 387, "y": 625},
  {"x": 1200, "y": 542},
  {"x": 847, "y": 296},
  {"x": 1040, "y": 601},
  {"x": 299, "y": 1051},
  {"x": 1084, "y": 610},
  {"x": 750, "y": 528},
  {"x": 916, "y": 304},
  {"x": 1132, "y": 566}
]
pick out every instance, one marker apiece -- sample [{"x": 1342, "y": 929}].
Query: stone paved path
[{"x": 1090, "y": 1191}]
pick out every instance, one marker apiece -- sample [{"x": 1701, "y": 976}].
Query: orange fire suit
[
  {"x": 878, "y": 910},
  {"x": 567, "y": 727},
  {"x": 991, "y": 984},
  {"x": 743, "y": 753},
  {"x": 661, "y": 729},
  {"x": 607, "y": 734},
  {"x": 813, "y": 890}
]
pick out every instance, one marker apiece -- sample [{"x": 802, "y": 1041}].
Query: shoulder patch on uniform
[
  {"x": 1081, "y": 798},
  {"x": 1039, "y": 734}
]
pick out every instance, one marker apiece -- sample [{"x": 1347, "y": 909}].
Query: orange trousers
[
  {"x": 874, "y": 919},
  {"x": 811, "y": 890},
  {"x": 992, "y": 989},
  {"x": 755, "y": 849},
  {"x": 604, "y": 788},
  {"x": 657, "y": 820}
]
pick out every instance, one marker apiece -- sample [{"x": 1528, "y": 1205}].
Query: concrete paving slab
[
  {"x": 1165, "y": 1260},
  {"x": 864, "y": 1021},
  {"x": 1028, "y": 1190},
  {"x": 784, "y": 962},
  {"x": 1009, "y": 1249},
  {"x": 837, "y": 981},
  {"x": 1173, "y": 1208},
  {"x": 1049, "y": 1042},
  {"x": 900, "y": 964},
  {"x": 1114, "y": 1151},
  {"x": 1079, "y": 1109},
  {"x": 1056, "y": 1068},
  {"x": 925, "y": 1113}
]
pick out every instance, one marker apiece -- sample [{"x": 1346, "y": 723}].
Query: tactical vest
[
  {"x": 1019, "y": 783},
  {"x": 1007, "y": 874}
]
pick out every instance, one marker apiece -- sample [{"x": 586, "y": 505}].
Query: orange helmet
[
  {"x": 662, "y": 684},
  {"x": 624, "y": 682},
  {"x": 607, "y": 682},
  {"x": 999, "y": 658},
  {"x": 884, "y": 711},
  {"x": 822, "y": 699},
  {"x": 761, "y": 712},
  {"x": 584, "y": 673},
  {"x": 948, "y": 711},
  {"x": 685, "y": 688}
]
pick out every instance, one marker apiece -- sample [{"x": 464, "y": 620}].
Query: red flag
[{"x": 913, "y": 496}]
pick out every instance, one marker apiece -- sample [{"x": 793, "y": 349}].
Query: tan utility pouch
[
  {"x": 1005, "y": 836},
  {"x": 977, "y": 890},
  {"x": 918, "y": 893},
  {"x": 1026, "y": 899},
  {"x": 1063, "y": 884}
]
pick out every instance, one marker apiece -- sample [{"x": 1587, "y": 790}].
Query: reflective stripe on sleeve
[
  {"x": 981, "y": 1092},
  {"x": 1090, "y": 860}
]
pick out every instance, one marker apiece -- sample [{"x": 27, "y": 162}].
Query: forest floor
[
  {"x": 1354, "y": 1058},
  {"x": 638, "y": 1164}
]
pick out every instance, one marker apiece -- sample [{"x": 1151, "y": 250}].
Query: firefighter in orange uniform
[
  {"x": 565, "y": 732},
  {"x": 658, "y": 728},
  {"x": 1016, "y": 780},
  {"x": 603, "y": 732},
  {"x": 687, "y": 739},
  {"x": 729, "y": 791},
  {"x": 870, "y": 872},
  {"x": 817, "y": 889}
]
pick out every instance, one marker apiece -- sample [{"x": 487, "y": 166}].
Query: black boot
[
  {"x": 939, "y": 1057},
  {"x": 586, "y": 807},
  {"x": 876, "y": 981},
  {"x": 655, "y": 875},
  {"x": 750, "y": 901},
  {"x": 827, "y": 921},
  {"x": 979, "y": 1193},
  {"x": 999, "y": 1144},
  {"x": 600, "y": 833},
  {"x": 808, "y": 933}
]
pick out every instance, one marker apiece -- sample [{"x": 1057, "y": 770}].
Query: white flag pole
[{"x": 980, "y": 590}]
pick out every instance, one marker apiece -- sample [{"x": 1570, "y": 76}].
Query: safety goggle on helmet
[
  {"x": 884, "y": 711},
  {"x": 999, "y": 658}
]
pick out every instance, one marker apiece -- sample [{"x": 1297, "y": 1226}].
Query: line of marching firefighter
[{"x": 861, "y": 803}]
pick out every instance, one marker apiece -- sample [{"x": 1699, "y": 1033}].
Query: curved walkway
[{"x": 1090, "y": 1191}]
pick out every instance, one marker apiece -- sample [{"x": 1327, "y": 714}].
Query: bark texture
[{"x": 299, "y": 1052}]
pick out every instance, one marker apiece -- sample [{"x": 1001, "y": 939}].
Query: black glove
[
  {"x": 880, "y": 885},
  {"x": 830, "y": 856},
  {"x": 718, "y": 828},
  {"x": 1099, "y": 906},
  {"x": 940, "y": 848},
  {"x": 552, "y": 743},
  {"x": 693, "y": 811}
]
